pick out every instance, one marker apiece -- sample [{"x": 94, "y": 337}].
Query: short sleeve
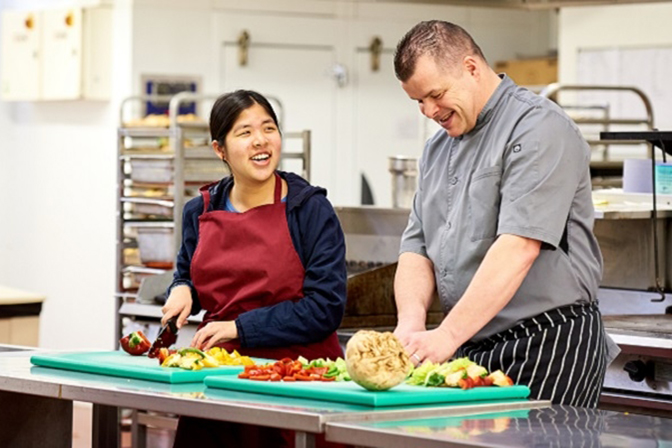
[
  {"x": 413, "y": 238},
  {"x": 542, "y": 166}
]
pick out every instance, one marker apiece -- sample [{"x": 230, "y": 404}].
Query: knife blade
[{"x": 167, "y": 336}]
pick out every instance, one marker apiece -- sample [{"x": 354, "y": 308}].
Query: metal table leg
[
  {"x": 105, "y": 426},
  {"x": 138, "y": 431},
  {"x": 304, "y": 440}
]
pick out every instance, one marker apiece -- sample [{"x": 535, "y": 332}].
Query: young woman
[{"x": 262, "y": 251}]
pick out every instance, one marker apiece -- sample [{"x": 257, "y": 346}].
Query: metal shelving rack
[{"x": 606, "y": 166}]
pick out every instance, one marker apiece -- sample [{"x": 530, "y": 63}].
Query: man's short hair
[{"x": 446, "y": 42}]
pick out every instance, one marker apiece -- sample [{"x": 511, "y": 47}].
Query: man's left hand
[{"x": 433, "y": 345}]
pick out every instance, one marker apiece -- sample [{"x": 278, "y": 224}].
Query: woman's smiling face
[{"x": 252, "y": 147}]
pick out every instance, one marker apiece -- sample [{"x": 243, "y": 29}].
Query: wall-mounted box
[
  {"x": 21, "y": 35},
  {"x": 68, "y": 51},
  {"x": 530, "y": 72}
]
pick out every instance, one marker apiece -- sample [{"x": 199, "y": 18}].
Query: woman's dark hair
[{"x": 228, "y": 108}]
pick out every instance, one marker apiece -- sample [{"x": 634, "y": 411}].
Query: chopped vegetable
[
  {"x": 188, "y": 350},
  {"x": 500, "y": 379},
  {"x": 461, "y": 372},
  {"x": 300, "y": 370},
  {"x": 225, "y": 358},
  {"x": 453, "y": 379},
  {"x": 419, "y": 374},
  {"x": 164, "y": 353},
  {"x": 194, "y": 359},
  {"x": 475, "y": 371},
  {"x": 135, "y": 344}
]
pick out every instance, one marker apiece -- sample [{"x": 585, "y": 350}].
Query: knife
[{"x": 167, "y": 337}]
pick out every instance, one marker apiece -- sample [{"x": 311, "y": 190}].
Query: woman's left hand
[{"x": 214, "y": 333}]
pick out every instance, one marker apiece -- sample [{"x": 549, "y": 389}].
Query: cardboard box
[{"x": 530, "y": 72}]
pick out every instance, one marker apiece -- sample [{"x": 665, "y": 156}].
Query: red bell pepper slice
[
  {"x": 279, "y": 368},
  {"x": 260, "y": 377},
  {"x": 135, "y": 344},
  {"x": 318, "y": 370}
]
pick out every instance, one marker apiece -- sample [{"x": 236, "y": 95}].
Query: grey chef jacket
[{"x": 523, "y": 170}]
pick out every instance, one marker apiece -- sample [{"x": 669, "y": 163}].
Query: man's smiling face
[{"x": 449, "y": 97}]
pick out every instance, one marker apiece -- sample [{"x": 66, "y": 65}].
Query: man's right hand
[
  {"x": 178, "y": 304},
  {"x": 406, "y": 328}
]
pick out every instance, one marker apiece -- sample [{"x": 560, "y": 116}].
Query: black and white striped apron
[{"x": 560, "y": 354}]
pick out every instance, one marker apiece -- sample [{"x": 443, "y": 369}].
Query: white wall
[
  {"x": 174, "y": 39},
  {"x": 57, "y": 204},
  {"x": 626, "y": 45},
  {"x": 58, "y": 164},
  {"x": 627, "y": 26}
]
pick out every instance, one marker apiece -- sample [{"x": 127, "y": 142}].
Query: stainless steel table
[
  {"x": 559, "y": 426},
  {"x": 54, "y": 390}
]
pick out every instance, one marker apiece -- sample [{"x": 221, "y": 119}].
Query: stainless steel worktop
[
  {"x": 550, "y": 426},
  {"x": 307, "y": 417}
]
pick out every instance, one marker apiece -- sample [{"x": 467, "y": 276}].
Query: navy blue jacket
[{"x": 318, "y": 239}]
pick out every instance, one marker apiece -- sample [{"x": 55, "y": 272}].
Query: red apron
[{"x": 245, "y": 261}]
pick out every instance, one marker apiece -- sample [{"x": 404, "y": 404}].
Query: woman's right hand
[{"x": 178, "y": 304}]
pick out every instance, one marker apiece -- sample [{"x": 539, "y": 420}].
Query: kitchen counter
[
  {"x": 19, "y": 316},
  {"x": 550, "y": 426},
  {"x": 25, "y": 385},
  {"x": 12, "y": 296},
  {"x": 42, "y": 401}
]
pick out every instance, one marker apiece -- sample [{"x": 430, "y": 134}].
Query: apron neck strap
[
  {"x": 278, "y": 189},
  {"x": 205, "y": 192}
]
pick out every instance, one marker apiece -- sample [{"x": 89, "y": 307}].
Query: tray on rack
[
  {"x": 349, "y": 392},
  {"x": 118, "y": 363}
]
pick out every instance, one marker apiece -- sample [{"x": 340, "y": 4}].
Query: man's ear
[{"x": 471, "y": 66}]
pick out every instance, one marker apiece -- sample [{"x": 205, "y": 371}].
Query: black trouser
[{"x": 560, "y": 354}]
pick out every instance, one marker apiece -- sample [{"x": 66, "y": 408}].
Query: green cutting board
[
  {"x": 349, "y": 392},
  {"x": 118, "y": 363}
]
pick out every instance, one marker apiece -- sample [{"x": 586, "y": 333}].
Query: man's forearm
[
  {"x": 414, "y": 286},
  {"x": 496, "y": 281}
]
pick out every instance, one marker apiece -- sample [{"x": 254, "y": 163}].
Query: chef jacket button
[
  {"x": 450, "y": 225},
  {"x": 453, "y": 181}
]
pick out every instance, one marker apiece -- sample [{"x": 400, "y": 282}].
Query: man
[{"x": 501, "y": 226}]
